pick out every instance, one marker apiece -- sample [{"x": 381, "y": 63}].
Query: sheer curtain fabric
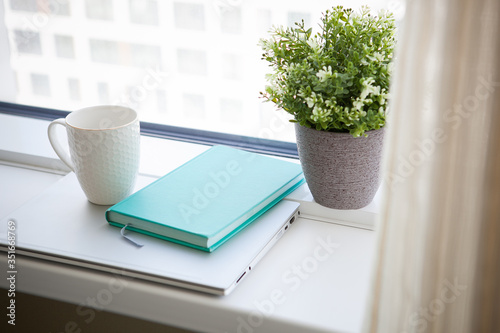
[{"x": 438, "y": 249}]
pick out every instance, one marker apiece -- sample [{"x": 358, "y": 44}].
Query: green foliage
[{"x": 337, "y": 79}]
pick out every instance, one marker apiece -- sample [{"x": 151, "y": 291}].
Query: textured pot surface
[{"x": 342, "y": 172}]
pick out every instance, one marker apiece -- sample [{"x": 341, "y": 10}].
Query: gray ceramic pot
[{"x": 342, "y": 172}]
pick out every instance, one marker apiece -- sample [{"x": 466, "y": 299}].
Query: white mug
[{"x": 104, "y": 150}]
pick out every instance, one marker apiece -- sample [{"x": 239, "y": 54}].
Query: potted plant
[{"x": 335, "y": 83}]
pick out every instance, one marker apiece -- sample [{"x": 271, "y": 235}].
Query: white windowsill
[
  {"x": 158, "y": 157},
  {"x": 331, "y": 298}
]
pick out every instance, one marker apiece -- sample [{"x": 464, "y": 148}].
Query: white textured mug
[{"x": 104, "y": 150}]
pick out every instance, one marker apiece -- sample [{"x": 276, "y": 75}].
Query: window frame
[{"x": 254, "y": 144}]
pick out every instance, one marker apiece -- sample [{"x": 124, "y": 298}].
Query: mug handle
[{"x": 54, "y": 141}]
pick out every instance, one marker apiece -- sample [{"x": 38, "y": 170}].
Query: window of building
[
  {"x": 64, "y": 46},
  {"x": 189, "y": 15},
  {"x": 105, "y": 51},
  {"x": 40, "y": 84},
  {"x": 24, "y": 5},
  {"x": 193, "y": 106},
  {"x": 298, "y": 17},
  {"x": 144, "y": 12},
  {"x": 192, "y": 62},
  {"x": 27, "y": 42},
  {"x": 74, "y": 89},
  {"x": 99, "y": 9},
  {"x": 231, "y": 20}
]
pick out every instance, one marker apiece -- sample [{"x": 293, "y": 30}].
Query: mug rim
[{"x": 67, "y": 119}]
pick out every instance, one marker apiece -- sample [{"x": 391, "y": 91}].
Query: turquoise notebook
[{"x": 208, "y": 199}]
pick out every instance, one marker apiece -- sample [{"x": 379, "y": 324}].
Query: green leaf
[{"x": 353, "y": 47}]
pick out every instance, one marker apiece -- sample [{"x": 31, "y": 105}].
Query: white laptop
[{"x": 61, "y": 225}]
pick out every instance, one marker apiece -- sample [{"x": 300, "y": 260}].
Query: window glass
[
  {"x": 27, "y": 41},
  {"x": 99, "y": 9},
  {"x": 143, "y": 12},
  {"x": 24, "y": 5},
  {"x": 187, "y": 63},
  {"x": 189, "y": 15},
  {"x": 74, "y": 89},
  {"x": 64, "y": 46},
  {"x": 40, "y": 84}
]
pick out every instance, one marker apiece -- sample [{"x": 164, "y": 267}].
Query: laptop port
[
  {"x": 241, "y": 277},
  {"x": 292, "y": 219}
]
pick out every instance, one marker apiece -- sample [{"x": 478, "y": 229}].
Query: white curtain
[{"x": 437, "y": 263}]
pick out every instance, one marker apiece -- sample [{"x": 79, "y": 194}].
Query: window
[
  {"x": 232, "y": 64},
  {"x": 40, "y": 84},
  {"x": 74, "y": 89},
  {"x": 193, "y": 106},
  {"x": 27, "y": 42},
  {"x": 24, "y": 5},
  {"x": 231, "y": 21},
  {"x": 144, "y": 12},
  {"x": 298, "y": 17},
  {"x": 103, "y": 92},
  {"x": 161, "y": 96},
  {"x": 104, "y": 51},
  {"x": 64, "y": 46},
  {"x": 186, "y": 63},
  {"x": 193, "y": 62},
  {"x": 190, "y": 16},
  {"x": 231, "y": 110},
  {"x": 99, "y": 9}
]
